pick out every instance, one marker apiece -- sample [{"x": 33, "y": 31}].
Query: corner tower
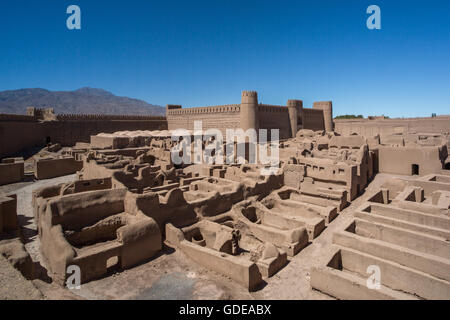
[
  {"x": 249, "y": 107},
  {"x": 327, "y": 108},
  {"x": 295, "y": 109}
]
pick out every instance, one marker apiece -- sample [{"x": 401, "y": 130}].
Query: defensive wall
[
  {"x": 384, "y": 127},
  {"x": 41, "y": 126},
  {"x": 19, "y": 132},
  {"x": 252, "y": 114}
]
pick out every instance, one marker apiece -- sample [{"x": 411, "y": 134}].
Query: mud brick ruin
[
  {"x": 384, "y": 184},
  {"x": 11, "y": 170},
  {"x": 11, "y": 246},
  {"x": 404, "y": 229}
]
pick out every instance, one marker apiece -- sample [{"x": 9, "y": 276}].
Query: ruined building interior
[{"x": 346, "y": 195}]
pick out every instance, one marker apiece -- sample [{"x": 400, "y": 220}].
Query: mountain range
[{"x": 85, "y": 100}]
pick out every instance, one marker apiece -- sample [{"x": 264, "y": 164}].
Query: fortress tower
[
  {"x": 287, "y": 119},
  {"x": 249, "y": 107},
  {"x": 295, "y": 110},
  {"x": 327, "y": 108}
]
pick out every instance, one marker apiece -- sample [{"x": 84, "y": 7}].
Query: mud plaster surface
[{"x": 171, "y": 275}]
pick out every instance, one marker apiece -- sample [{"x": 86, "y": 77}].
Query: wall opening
[
  {"x": 48, "y": 140},
  {"x": 415, "y": 169}
]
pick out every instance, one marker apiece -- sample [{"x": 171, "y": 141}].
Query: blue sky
[{"x": 199, "y": 53}]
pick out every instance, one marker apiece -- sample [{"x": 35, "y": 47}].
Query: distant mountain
[{"x": 85, "y": 100}]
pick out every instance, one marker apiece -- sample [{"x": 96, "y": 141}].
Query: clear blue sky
[{"x": 198, "y": 53}]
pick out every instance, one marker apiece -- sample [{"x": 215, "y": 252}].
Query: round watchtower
[
  {"x": 294, "y": 108},
  {"x": 327, "y": 108},
  {"x": 249, "y": 107}
]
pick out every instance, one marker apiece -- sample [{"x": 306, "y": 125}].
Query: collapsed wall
[
  {"x": 11, "y": 170},
  {"x": 11, "y": 246},
  {"x": 229, "y": 218},
  {"x": 95, "y": 230},
  {"x": 402, "y": 232},
  {"x": 234, "y": 219},
  {"x": 130, "y": 198}
]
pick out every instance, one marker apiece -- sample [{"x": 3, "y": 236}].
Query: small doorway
[{"x": 415, "y": 169}]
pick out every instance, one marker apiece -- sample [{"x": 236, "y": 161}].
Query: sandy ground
[
  {"x": 14, "y": 286},
  {"x": 171, "y": 275}
]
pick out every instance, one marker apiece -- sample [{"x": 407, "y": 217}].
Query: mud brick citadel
[
  {"x": 251, "y": 114},
  {"x": 102, "y": 194}
]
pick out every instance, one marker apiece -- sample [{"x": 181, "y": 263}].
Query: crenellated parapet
[
  {"x": 271, "y": 108},
  {"x": 173, "y": 106},
  {"x": 294, "y": 103},
  {"x": 41, "y": 126},
  {"x": 253, "y": 94},
  {"x": 100, "y": 117},
  {"x": 229, "y": 108},
  {"x": 16, "y": 117},
  {"x": 250, "y": 114},
  {"x": 43, "y": 114}
]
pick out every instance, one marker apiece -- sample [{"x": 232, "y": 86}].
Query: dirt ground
[
  {"x": 13, "y": 286},
  {"x": 171, "y": 275}
]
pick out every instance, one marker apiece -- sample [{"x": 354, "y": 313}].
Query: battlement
[
  {"x": 33, "y": 117},
  {"x": 16, "y": 117},
  {"x": 252, "y": 114},
  {"x": 295, "y": 103},
  {"x": 99, "y": 117},
  {"x": 41, "y": 126},
  {"x": 383, "y": 119},
  {"x": 249, "y": 94},
  {"x": 322, "y": 105},
  {"x": 173, "y": 106},
  {"x": 231, "y": 108},
  {"x": 271, "y": 108},
  {"x": 312, "y": 111},
  {"x": 45, "y": 114}
]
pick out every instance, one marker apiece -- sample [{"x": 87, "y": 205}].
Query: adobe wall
[
  {"x": 8, "y": 213},
  {"x": 397, "y": 160},
  {"x": 220, "y": 117},
  {"x": 19, "y": 132},
  {"x": 313, "y": 119},
  {"x": 51, "y": 168},
  {"x": 11, "y": 172},
  {"x": 327, "y": 112},
  {"x": 252, "y": 114},
  {"x": 274, "y": 117},
  {"x": 70, "y": 129},
  {"x": 384, "y": 127}
]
